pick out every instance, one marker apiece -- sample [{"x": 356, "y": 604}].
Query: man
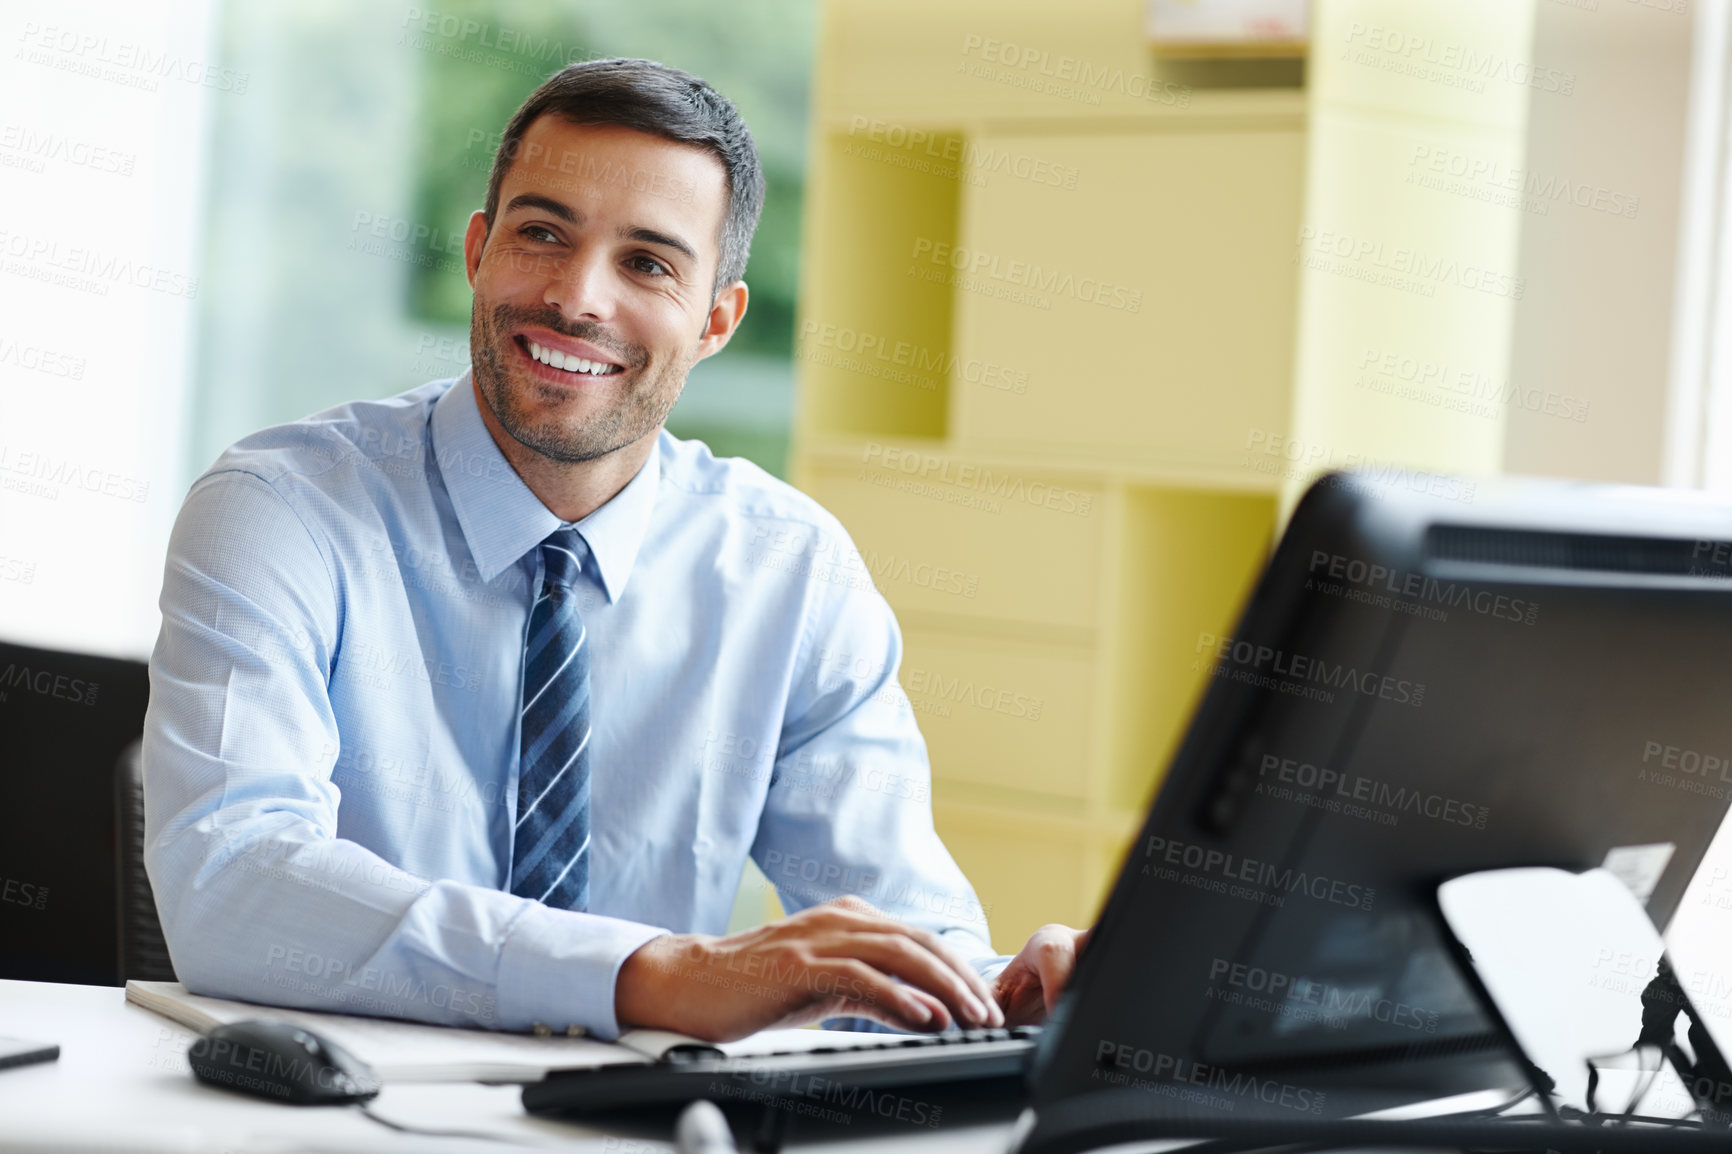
[{"x": 470, "y": 704}]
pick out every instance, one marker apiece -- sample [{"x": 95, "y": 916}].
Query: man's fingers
[
  {"x": 1020, "y": 997},
  {"x": 1055, "y": 952},
  {"x": 968, "y": 973},
  {"x": 1054, "y": 962},
  {"x": 903, "y": 957},
  {"x": 941, "y": 1019},
  {"x": 880, "y": 997},
  {"x": 854, "y": 914}
]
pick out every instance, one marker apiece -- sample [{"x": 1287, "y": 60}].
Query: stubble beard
[{"x": 508, "y": 388}]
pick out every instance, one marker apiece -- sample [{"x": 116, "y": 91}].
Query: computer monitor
[{"x": 1428, "y": 680}]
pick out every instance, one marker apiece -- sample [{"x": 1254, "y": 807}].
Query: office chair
[
  {"x": 143, "y": 951},
  {"x": 65, "y": 719}
]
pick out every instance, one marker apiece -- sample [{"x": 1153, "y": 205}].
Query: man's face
[{"x": 601, "y": 258}]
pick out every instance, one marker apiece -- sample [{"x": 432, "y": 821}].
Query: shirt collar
[
  {"x": 616, "y": 530},
  {"x": 502, "y": 519}
]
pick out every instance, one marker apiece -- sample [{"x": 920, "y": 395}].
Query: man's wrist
[{"x": 646, "y": 990}]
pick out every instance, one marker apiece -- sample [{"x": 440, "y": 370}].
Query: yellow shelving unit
[{"x": 1051, "y": 293}]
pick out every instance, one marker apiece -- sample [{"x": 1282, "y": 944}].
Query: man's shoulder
[
  {"x": 734, "y": 487},
  {"x": 389, "y": 432}
]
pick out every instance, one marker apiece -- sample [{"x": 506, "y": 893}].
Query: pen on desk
[{"x": 702, "y": 1129}]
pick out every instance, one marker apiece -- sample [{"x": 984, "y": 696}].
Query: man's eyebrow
[
  {"x": 571, "y": 216},
  {"x": 651, "y": 236},
  {"x": 545, "y": 204}
]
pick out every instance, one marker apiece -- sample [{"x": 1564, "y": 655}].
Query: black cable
[
  {"x": 1643, "y": 1051},
  {"x": 421, "y": 1133},
  {"x": 1653, "y": 1120},
  {"x": 1652, "y": 1076},
  {"x": 1571, "y": 1114}
]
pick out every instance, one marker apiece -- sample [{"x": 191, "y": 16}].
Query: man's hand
[
  {"x": 839, "y": 959},
  {"x": 1029, "y": 987}
]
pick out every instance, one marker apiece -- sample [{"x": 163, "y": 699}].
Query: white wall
[
  {"x": 102, "y": 108},
  {"x": 1599, "y": 213}
]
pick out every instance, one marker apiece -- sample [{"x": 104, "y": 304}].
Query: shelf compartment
[
  {"x": 1002, "y": 712},
  {"x": 943, "y": 534}
]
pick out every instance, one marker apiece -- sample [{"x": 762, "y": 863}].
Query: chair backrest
[
  {"x": 65, "y": 718},
  {"x": 143, "y": 951}
]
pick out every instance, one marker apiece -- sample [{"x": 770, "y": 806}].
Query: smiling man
[{"x": 471, "y": 704}]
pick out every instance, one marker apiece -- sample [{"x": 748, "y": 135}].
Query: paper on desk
[
  {"x": 414, "y": 1052},
  {"x": 399, "y": 1051}
]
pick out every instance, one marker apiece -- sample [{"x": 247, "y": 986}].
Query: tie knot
[{"x": 562, "y": 557}]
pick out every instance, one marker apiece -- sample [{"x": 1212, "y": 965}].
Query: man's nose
[{"x": 582, "y": 285}]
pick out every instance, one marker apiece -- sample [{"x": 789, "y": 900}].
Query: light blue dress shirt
[{"x": 331, "y": 749}]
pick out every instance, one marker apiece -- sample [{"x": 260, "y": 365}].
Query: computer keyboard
[{"x": 825, "y": 1073}]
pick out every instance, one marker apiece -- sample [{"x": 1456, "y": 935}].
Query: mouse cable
[{"x": 424, "y": 1133}]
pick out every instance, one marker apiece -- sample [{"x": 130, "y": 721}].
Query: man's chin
[
  {"x": 568, "y": 440},
  {"x": 563, "y": 445}
]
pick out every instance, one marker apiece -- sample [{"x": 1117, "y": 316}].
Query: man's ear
[
  {"x": 725, "y": 316},
  {"x": 474, "y": 239}
]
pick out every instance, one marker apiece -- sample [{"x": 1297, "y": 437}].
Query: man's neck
[{"x": 570, "y": 490}]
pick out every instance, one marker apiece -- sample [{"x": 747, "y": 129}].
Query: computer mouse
[{"x": 281, "y": 1061}]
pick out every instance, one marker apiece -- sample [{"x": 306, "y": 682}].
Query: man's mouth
[{"x": 569, "y": 362}]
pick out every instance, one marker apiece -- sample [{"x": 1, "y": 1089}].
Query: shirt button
[
  {"x": 542, "y": 1030},
  {"x": 575, "y": 1031}
]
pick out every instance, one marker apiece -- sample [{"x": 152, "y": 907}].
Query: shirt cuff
[{"x": 557, "y": 969}]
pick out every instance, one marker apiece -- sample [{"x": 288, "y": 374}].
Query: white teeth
[{"x": 571, "y": 364}]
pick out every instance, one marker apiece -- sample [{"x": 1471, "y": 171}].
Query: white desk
[{"x": 122, "y": 1085}]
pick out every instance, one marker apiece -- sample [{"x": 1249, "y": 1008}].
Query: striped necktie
[{"x": 550, "y": 846}]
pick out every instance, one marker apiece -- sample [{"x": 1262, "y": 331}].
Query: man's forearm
[{"x": 326, "y": 924}]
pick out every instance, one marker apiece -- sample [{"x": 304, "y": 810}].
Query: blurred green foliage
[{"x": 488, "y": 55}]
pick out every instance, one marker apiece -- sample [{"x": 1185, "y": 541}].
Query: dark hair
[{"x": 661, "y": 101}]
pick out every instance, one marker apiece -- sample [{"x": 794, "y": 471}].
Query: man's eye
[
  {"x": 537, "y": 232},
  {"x": 650, "y": 265}
]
